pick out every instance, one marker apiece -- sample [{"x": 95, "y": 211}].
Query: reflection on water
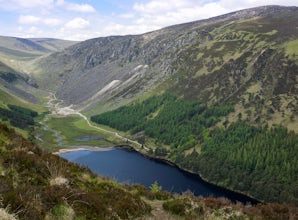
[{"x": 131, "y": 167}]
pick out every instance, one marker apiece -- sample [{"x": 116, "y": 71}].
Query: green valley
[{"x": 217, "y": 97}]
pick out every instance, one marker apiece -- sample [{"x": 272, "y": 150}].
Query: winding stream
[{"x": 54, "y": 106}]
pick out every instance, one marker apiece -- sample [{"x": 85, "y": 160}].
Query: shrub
[
  {"x": 177, "y": 206},
  {"x": 61, "y": 212}
]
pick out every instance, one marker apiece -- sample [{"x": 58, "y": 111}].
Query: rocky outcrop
[{"x": 215, "y": 60}]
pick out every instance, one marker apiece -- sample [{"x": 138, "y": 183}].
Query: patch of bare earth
[{"x": 158, "y": 212}]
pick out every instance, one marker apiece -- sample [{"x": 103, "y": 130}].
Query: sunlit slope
[
  {"x": 22, "y": 48},
  {"x": 16, "y": 55},
  {"x": 246, "y": 57}
]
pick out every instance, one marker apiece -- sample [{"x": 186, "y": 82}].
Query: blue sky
[{"x": 84, "y": 19}]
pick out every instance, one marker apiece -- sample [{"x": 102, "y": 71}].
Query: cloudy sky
[{"x": 83, "y": 19}]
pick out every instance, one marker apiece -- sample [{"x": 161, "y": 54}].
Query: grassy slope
[
  {"x": 22, "y": 47},
  {"x": 64, "y": 131},
  {"x": 6, "y": 98},
  {"x": 53, "y": 44},
  {"x": 19, "y": 53},
  {"x": 245, "y": 54},
  {"x": 250, "y": 62},
  {"x": 4, "y": 69},
  {"x": 70, "y": 129},
  {"x": 52, "y": 188}
]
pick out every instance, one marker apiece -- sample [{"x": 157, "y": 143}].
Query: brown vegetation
[{"x": 27, "y": 192}]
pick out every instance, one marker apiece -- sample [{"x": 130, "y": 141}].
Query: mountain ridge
[
  {"x": 211, "y": 60},
  {"x": 231, "y": 79},
  {"x": 34, "y": 44}
]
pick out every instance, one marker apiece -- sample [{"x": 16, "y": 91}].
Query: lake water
[{"x": 131, "y": 167}]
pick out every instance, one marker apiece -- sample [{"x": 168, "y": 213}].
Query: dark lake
[{"x": 131, "y": 167}]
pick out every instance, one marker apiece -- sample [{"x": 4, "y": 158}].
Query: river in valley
[{"x": 131, "y": 167}]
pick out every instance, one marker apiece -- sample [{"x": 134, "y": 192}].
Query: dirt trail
[{"x": 53, "y": 105}]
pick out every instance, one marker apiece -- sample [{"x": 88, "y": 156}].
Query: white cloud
[
  {"x": 76, "y": 34},
  {"x": 34, "y": 20},
  {"x": 63, "y": 18},
  {"x": 80, "y": 7},
  {"x": 155, "y": 14},
  {"x": 60, "y": 2},
  {"x": 113, "y": 28},
  {"x": 159, "y": 6},
  {"x": 236, "y": 4},
  {"x": 33, "y": 30},
  {"x": 85, "y": 8},
  {"x": 34, "y": 3},
  {"x": 52, "y": 21},
  {"x": 30, "y": 32},
  {"x": 29, "y": 19},
  {"x": 167, "y": 13},
  {"x": 12, "y": 4},
  {"x": 77, "y": 23},
  {"x": 127, "y": 15}
]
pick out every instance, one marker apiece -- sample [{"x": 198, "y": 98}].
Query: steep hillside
[
  {"x": 16, "y": 83},
  {"x": 53, "y": 44},
  {"x": 15, "y": 56},
  {"x": 255, "y": 160},
  {"x": 38, "y": 185},
  {"x": 247, "y": 57}
]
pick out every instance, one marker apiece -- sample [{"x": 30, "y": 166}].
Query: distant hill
[
  {"x": 23, "y": 48},
  {"x": 15, "y": 55},
  {"x": 17, "y": 83},
  {"x": 53, "y": 44}
]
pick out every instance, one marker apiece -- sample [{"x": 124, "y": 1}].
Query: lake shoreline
[
  {"x": 168, "y": 162},
  {"x": 254, "y": 201},
  {"x": 80, "y": 148}
]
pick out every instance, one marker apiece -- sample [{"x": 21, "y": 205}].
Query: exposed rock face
[{"x": 215, "y": 60}]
